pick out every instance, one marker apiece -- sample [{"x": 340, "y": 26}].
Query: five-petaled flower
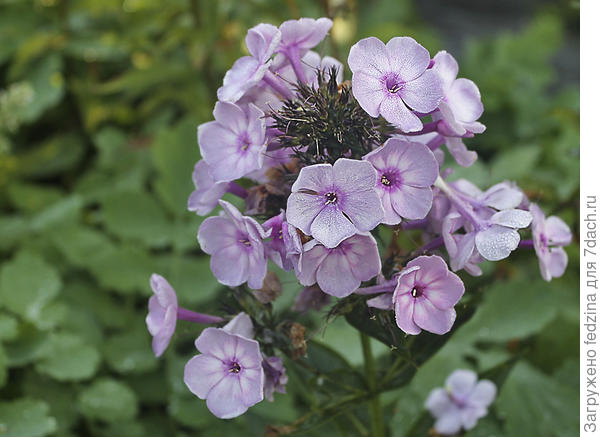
[
  {"x": 425, "y": 295},
  {"x": 393, "y": 80},
  {"x": 405, "y": 173},
  {"x": 461, "y": 403},
  {"x": 550, "y": 234},
  {"x": 332, "y": 203}
]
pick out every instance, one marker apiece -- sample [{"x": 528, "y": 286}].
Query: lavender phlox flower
[
  {"x": 425, "y": 295},
  {"x": 262, "y": 41},
  {"x": 462, "y": 402},
  {"x": 235, "y": 244},
  {"x": 275, "y": 376},
  {"x": 393, "y": 80},
  {"x": 493, "y": 233},
  {"x": 550, "y": 234},
  {"x": 405, "y": 172},
  {"x": 299, "y": 36},
  {"x": 234, "y": 144},
  {"x": 312, "y": 63},
  {"x": 461, "y": 107},
  {"x": 228, "y": 373},
  {"x": 332, "y": 203},
  {"x": 207, "y": 193},
  {"x": 340, "y": 270},
  {"x": 310, "y": 298},
  {"x": 277, "y": 246},
  {"x": 163, "y": 312}
]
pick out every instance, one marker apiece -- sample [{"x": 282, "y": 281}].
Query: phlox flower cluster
[{"x": 313, "y": 168}]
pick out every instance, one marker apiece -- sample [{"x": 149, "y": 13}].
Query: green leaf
[
  {"x": 515, "y": 164},
  {"x": 174, "y": 153},
  {"x": 25, "y": 418},
  {"x": 130, "y": 352},
  {"x": 137, "y": 216},
  {"x": 48, "y": 85},
  {"x": 27, "y": 284},
  {"x": 9, "y": 327},
  {"x": 108, "y": 400},
  {"x": 68, "y": 358}
]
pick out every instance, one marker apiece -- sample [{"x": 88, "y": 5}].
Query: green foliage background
[{"x": 99, "y": 103}]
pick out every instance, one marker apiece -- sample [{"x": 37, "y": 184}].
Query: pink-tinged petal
[
  {"x": 204, "y": 198},
  {"x": 309, "y": 262},
  {"x": 428, "y": 317},
  {"x": 211, "y": 138},
  {"x": 405, "y": 281},
  {"x": 252, "y": 383},
  {"x": 314, "y": 178},
  {"x": 557, "y": 231},
  {"x": 156, "y": 316},
  {"x": 461, "y": 383},
  {"x": 431, "y": 269},
  {"x": 230, "y": 266},
  {"x": 460, "y": 153},
  {"x": 302, "y": 209},
  {"x": 362, "y": 254},
  {"x": 216, "y": 233},
  {"x": 304, "y": 33},
  {"x": 331, "y": 226},
  {"x": 512, "y": 218},
  {"x": 226, "y": 400},
  {"x": 470, "y": 415},
  {"x": 257, "y": 125},
  {"x": 353, "y": 176},
  {"x": 449, "y": 125},
  {"x": 369, "y": 92},
  {"x": 411, "y": 202},
  {"x": 364, "y": 209},
  {"x": 445, "y": 293},
  {"x": 240, "y": 325},
  {"x": 496, "y": 242},
  {"x": 395, "y": 111},
  {"x": 247, "y": 353},
  {"x": 202, "y": 373},
  {"x": 257, "y": 268},
  {"x": 369, "y": 55},
  {"x": 438, "y": 402},
  {"x": 483, "y": 394},
  {"x": 465, "y": 245},
  {"x": 424, "y": 93},
  {"x": 217, "y": 342},
  {"x": 555, "y": 263},
  {"x": 408, "y": 58},
  {"x": 446, "y": 67},
  {"x": 465, "y": 100},
  {"x": 335, "y": 277},
  {"x": 417, "y": 164},
  {"x": 404, "y": 307},
  {"x": 450, "y": 423},
  {"x": 162, "y": 339}
]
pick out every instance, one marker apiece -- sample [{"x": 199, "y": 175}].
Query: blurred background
[{"x": 99, "y": 103}]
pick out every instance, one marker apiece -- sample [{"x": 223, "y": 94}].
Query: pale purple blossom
[
  {"x": 393, "y": 80},
  {"x": 310, "y": 298},
  {"x": 332, "y": 203},
  {"x": 242, "y": 325},
  {"x": 340, "y": 270},
  {"x": 462, "y": 402},
  {"x": 550, "y": 234},
  {"x": 163, "y": 312},
  {"x": 405, "y": 173},
  {"x": 228, "y": 373},
  {"x": 235, "y": 244},
  {"x": 277, "y": 246},
  {"x": 262, "y": 41},
  {"x": 207, "y": 193},
  {"x": 234, "y": 144},
  {"x": 425, "y": 295},
  {"x": 275, "y": 376}
]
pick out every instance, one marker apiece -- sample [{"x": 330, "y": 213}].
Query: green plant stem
[{"x": 375, "y": 411}]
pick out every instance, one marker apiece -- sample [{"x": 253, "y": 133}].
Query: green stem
[{"x": 374, "y": 403}]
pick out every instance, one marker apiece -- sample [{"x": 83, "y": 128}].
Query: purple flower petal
[
  {"x": 424, "y": 93},
  {"x": 429, "y": 317},
  {"x": 369, "y": 93},
  {"x": 207, "y": 193},
  {"x": 496, "y": 242},
  {"x": 314, "y": 178},
  {"x": 369, "y": 55},
  {"x": 353, "y": 175},
  {"x": 202, "y": 373},
  {"x": 438, "y": 402},
  {"x": 512, "y": 218},
  {"x": 483, "y": 393},
  {"x": 404, "y": 308},
  {"x": 331, "y": 226},
  {"x": 465, "y": 100},
  {"x": 335, "y": 277},
  {"x": 461, "y": 383},
  {"x": 446, "y": 67},
  {"x": 395, "y": 111},
  {"x": 262, "y": 41},
  {"x": 412, "y": 202},
  {"x": 460, "y": 153},
  {"x": 407, "y": 57},
  {"x": 558, "y": 231},
  {"x": 304, "y": 33},
  {"x": 240, "y": 325}
]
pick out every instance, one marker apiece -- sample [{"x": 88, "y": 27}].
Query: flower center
[
  {"x": 416, "y": 291},
  {"x": 234, "y": 368},
  {"x": 385, "y": 180},
  {"x": 244, "y": 142},
  {"x": 330, "y": 198},
  {"x": 394, "y": 84}
]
